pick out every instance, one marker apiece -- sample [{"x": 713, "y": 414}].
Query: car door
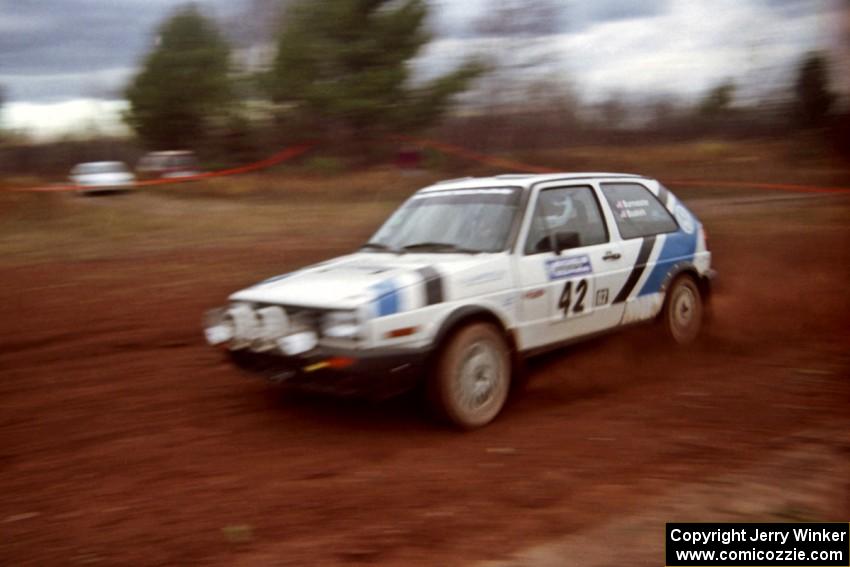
[
  {"x": 651, "y": 244},
  {"x": 565, "y": 262}
]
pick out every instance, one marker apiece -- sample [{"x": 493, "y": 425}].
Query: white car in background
[
  {"x": 168, "y": 165},
  {"x": 101, "y": 176},
  {"x": 470, "y": 276}
]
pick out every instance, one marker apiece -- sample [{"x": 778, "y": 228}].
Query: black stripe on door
[
  {"x": 433, "y": 282},
  {"x": 637, "y": 270}
]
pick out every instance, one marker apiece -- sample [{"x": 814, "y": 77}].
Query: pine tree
[
  {"x": 813, "y": 98},
  {"x": 183, "y": 87},
  {"x": 346, "y": 64}
]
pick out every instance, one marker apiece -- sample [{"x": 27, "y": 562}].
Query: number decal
[
  {"x": 581, "y": 291},
  {"x": 565, "y": 302}
]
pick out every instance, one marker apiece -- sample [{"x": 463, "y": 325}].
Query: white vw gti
[{"x": 467, "y": 278}]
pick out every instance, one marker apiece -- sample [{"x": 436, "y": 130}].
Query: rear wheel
[
  {"x": 683, "y": 310},
  {"x": 472, "y": 377}
]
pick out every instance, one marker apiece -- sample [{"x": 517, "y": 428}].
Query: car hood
[{"x": 389, "y": 283}]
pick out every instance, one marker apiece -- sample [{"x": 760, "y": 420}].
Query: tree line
[{"x": 340, "y": 71}]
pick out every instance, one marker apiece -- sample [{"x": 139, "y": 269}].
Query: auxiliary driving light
[
  {"x": 245, "y": 323},
  {"x": 340, "y": 325},
  {"x": 272, "y": 323},
  {"x": 298, "y": 343},
  {"x": 218, "y": 327}
]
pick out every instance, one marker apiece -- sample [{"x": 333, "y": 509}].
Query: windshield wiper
[
  {"x": 378, "y": 246},
  {"x": 446, "y": 246}
]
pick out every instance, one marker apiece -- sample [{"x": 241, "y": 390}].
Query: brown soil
[{"x": 125, "y": 440}]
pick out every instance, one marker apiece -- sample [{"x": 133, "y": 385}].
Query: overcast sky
[{"x": 63, "y": 61}]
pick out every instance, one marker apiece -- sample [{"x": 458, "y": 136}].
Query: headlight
[
  {"x": 340, "y": 325},
  {"x": 246, "y": 327},
  {"x": 236, "y": 325},
  {"x": 218, "y": 327},
  {"x": 272, "y": 324}
]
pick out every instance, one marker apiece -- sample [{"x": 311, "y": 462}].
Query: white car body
[
  {"x": 102, "y": 176},
  {"x": 173, "y": 164},
  {"x": 403, "y": 305}
]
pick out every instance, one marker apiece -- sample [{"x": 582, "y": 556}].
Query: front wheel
[
  {"x": 472, "y": 376},
  {"x": 683, "y": 311}
]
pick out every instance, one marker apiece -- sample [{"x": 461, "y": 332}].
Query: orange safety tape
[
  {"x": 769, "y": 186},
  {"x": 280, "y": 157},
  {"x": 524, "y": 167},
  {"x": 479, "y": 157},
  {"x": 503, "y": 163}
]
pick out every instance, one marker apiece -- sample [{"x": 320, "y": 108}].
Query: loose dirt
[{"x": 124, "y": 440}]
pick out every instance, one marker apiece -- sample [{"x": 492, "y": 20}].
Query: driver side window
[{"x": 572, "y": 211}]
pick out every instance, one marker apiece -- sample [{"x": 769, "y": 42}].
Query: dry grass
[
  {"x": 763, "y": 161},
  {"x": 297, "y": 208},
  {"x": 379, "y": 184},
  {"x": 220, "y": 213}
]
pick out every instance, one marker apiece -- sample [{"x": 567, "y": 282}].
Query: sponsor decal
[
  {"x": 686, "y": 221},
  {"x": 626, "y": 204},
  {"x": 635, "y": 208},
  {"x": 569, "y": 266},
  {"x": 601, "y": 296},
  {"x": 632, "y": 213},
  {"x": 534, "y": 293}
]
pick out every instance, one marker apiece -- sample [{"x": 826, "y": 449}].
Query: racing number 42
[{"x": 572, "y": 297}]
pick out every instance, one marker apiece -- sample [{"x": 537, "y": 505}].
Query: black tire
[
  {"x": 471, "y": 379},
  {"x": 683, "y": 311}
]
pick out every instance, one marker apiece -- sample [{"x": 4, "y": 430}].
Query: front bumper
[{"x": 374, "y": 374}]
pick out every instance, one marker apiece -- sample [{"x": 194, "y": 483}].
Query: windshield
[{"x": 459, "y": 220}]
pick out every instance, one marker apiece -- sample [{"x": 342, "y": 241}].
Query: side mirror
[{"x": 565, "y": 240}]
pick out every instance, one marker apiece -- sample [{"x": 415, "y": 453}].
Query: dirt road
[{"x": 125, "y": 440}]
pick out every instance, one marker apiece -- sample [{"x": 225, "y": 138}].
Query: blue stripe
[
  {"x": 386, "y": 298},
  {"x": 678, "y": 247}
]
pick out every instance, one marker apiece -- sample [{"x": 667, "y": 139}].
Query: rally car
[
  {"x": 101, "y": 176},
  {"x": 466, "y": 279}
]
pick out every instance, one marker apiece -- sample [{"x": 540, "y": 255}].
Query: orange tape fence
[
  {"x": 524, "y": 167},
  {"x": 465, "y": 153},
  {"x": 280, "y": 157}
]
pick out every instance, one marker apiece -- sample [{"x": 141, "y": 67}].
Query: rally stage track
[{"x": 125, "y": 440}]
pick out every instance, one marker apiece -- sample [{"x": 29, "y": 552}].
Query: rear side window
[{"x": 637, "y": 211}]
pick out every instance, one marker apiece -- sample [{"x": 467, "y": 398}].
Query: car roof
[
  {"x": 525, "y": 180},
  {"x": 100, "y": 164},
  {"x": 169, "y": 153}
]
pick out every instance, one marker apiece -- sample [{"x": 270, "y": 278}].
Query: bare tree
[
  {"x": 516, "y": 37},
  {"x": 518, "y": 43}
]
